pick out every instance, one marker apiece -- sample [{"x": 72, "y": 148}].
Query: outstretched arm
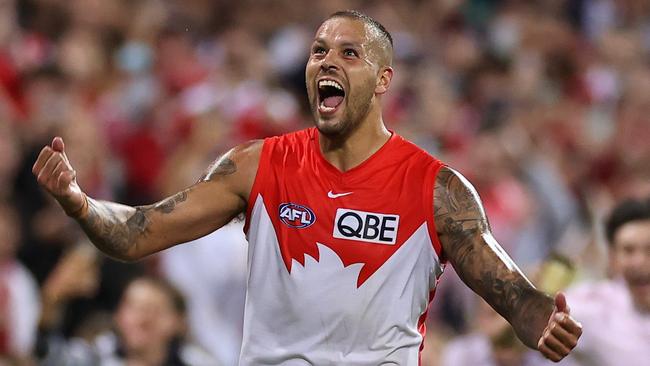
[
  {"x": 487, "y": 269},
  {"x": 130, "y": 233}
]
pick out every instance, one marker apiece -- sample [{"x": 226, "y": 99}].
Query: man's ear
[{"x": 383, "y": 82}]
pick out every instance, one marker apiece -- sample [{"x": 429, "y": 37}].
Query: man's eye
[
  {"x": 350, "y": 53},
  {"x": 318, "y": 51}
]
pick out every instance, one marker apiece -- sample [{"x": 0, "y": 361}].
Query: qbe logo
[
  {"x": 365, "y": 226},
  {"x": 295, "y": 215}
]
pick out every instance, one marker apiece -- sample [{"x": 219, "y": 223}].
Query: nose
[{"x": 328, "y": 62}]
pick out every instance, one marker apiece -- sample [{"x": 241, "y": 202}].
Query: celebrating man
[{"x": 349, "y": 225}]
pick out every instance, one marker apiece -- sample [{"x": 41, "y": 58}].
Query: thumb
[
  {"x": 58, "y": 145},
  {"x": 560, "y": 303}
]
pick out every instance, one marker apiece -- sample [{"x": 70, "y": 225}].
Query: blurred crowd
[{"x": 543, "y": 105}]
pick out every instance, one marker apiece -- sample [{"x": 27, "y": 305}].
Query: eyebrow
[
  {"x": 344, "y": 44},
  {"x": 351, "y": 44}
]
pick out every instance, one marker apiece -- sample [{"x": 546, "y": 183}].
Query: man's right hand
[{"x": 54, "y": 173}]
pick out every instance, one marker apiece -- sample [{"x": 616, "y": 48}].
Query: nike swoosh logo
[{"x": 331, "y": 194}]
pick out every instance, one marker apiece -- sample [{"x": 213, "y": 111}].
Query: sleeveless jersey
[{"x": 342, "y": 266}]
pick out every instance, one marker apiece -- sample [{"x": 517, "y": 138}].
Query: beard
[{"x": 356, "y": 108}]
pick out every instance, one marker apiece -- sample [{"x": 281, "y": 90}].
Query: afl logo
[{"x": 297, "y": 216}]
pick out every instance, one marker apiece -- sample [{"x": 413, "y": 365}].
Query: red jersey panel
[{"x": 342, "y": 265}]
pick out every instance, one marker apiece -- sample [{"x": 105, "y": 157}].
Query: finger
[
  {"x": 568, "y": 323},
  {"x": 43, "y": 157},
  {"x": 548, "y": 352},
  {"x": 561, "y": 304},
  {"x": 46, "y": 173},
  {"x": 58, "y": 145},
  {"x": 555, "y": 344},
  {"x": 568, "y": 339},
  {"x": 56, "y": 173}
]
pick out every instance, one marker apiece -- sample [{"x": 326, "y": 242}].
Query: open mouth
[
  {"x": 639, "y": 285},
  {"x": 330, "y": 96}
]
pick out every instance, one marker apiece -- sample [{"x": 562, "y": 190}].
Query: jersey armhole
[
  {"x": 258, "y": 183},
  {"x": 429, "y": 187}
]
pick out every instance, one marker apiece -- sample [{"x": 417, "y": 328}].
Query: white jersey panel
[{"x": 316, "y": 314}]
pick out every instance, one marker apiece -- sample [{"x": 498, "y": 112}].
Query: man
[
  {"x": 346, "y": 239},
  {"x": 617, "y": 311}
]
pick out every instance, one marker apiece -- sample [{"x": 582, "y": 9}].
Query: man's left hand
[{"x": 562, "y": 332}]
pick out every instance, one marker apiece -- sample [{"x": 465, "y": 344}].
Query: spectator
[
  {"x": 149, "y": 328},
  {"x": 616, "y": 312}
]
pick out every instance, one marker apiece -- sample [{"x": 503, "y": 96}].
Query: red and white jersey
[{"x": 341, "y": 265}]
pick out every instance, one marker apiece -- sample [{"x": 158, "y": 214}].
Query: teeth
[
  {"x": 323, "y": 108},
  {"x": 332, "y": 83}
]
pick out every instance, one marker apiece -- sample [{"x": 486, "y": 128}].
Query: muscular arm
[
  {"x": 130, "y": 233},
  {"x": 480, "y": 261}
]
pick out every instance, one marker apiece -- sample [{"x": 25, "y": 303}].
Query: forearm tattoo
[
  {"x": 480, "y": 261},
  {"x": 111, "y": 229},
  {"x": 115, "y": 229}
]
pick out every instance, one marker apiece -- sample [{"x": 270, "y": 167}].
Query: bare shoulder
[{"x": 237, "y": 167}]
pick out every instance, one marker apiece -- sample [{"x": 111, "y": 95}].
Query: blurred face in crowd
[
  {"x": 631, "y": 256},
  {"x": 146, "y": 317},
  {"x": 347, "y": 68}
]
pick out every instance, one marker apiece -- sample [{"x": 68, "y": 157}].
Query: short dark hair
[
  {"x": 354, "y": 14},
  {"x": 173, "y": 294},
  {"x": 627, "y": 211}
]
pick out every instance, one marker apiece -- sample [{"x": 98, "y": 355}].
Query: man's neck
[{"x": 350, "y": 151}]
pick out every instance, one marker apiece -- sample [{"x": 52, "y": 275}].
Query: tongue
[{"x": 332, "y": 102}]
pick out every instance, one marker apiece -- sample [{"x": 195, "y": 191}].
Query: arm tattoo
[
  {"x": 480, "y": 261},
  {"x": 168, "y": 205},
  {"x": 115, "y": 229},
  {"x": 222, "y": 167}
]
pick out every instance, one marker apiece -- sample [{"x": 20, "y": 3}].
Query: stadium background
[{"x": 544, "y": 105}]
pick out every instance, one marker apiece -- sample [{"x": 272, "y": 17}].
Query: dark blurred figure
[{"x": 19, "y": 302}]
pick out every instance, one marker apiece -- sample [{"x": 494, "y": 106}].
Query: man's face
[
  {"x": 631, "y": 255},
  {"x": 342, "y": 74}
]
